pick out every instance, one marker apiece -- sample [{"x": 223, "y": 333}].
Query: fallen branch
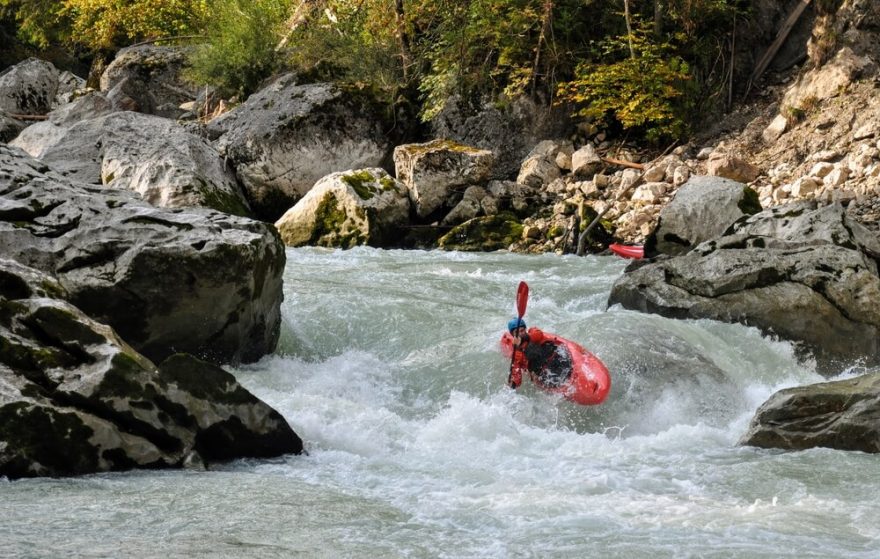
[
  {"x": 623, "y": 163},
  {"x": 582, "y": 240},
  {"x": 27, "y": 117}
]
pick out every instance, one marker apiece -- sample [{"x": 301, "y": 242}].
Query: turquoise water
[{"x": 389, "y": 369}]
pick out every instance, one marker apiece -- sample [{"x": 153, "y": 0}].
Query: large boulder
[
  {"x": 192, "y": 280},
  {"x": 434, "y": 171},
  {"x": 153, "y": 156},
  {"x": 29, "y": 88},
  {"x": 843, "y": 414},
  {"x": 702, "y": 209},
  {"x": 508, "y": 129},
  {"x": 363, "y": 207},
  {"x": 76, "y": 399},
  {"x": 286, "y": 137},
  {"x": 803, "y": 273},
  {"x": 152, "y": 77}
]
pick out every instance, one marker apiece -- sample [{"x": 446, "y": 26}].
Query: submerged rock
[
  {"x": 803, "y": 273},
  {"x": 167, "y": 281},
  {"x": 76, "y": 399},
  {"x": 363, "y": 207},
  {"x": 843, "y": 414}
]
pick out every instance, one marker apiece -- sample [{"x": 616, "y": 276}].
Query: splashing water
[{"x": 389, "y": 368}]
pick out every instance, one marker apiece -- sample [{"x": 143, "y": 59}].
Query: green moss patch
[{"x": 483, "y": 234}]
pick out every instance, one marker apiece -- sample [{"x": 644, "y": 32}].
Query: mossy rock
[{"x": 484, "y": 234}]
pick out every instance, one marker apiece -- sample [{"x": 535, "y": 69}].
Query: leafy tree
[
  {"x": 104, "y": 24},
  {"x": 40, "y": 22},
  {"x": 241, "y": 48},
  {"x": 639, "y": 85},
  {"x": 108, "y": 24}
]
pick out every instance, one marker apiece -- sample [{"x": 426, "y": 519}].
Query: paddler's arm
[{"x": 518, "y": 364}]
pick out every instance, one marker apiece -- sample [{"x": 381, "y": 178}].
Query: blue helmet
[{"x": 515, "y": 323}]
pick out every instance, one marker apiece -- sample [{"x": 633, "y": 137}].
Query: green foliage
[
  {"x": 108, "y": 24},
  {"x": 104, "y": 24},
  {"x": 354, "y": 42},
  {"x": 240, "y": 51},
  {"x": 642, "y": 92},
  {"x": 40, "y": 22}
]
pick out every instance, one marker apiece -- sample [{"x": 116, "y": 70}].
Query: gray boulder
[
  {"x": 10, "y": 127},
  {"x": 76, "y": 399},
  {"x": 152, "y": 77},
  {"x": 509, "y": 129},
  {"x": 363, "y": 207},
  {"x": 29, "y": 87},
  {"x": 150, "y": 155},
  {"x": 287, "y": 136},
  {"x": 803, "y": 273},
  {"x": 434, "y": 171},
  {"x": 843, "y": 414},
  {"x": 702, "y": 209},
  {"x": 194, "y": 280}
]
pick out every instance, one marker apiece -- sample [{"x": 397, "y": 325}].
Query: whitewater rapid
[{"x": 389, "y": 369}]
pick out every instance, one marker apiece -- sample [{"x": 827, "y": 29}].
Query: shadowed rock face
[
  {"x": 804, "y": 273},
  {"x": 76, "y": 399},
  {"x": 168, "y": 281},
  {"x": 843, "y": 414}
]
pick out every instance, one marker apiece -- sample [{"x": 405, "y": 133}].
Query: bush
[{"x": 240, "y": 51}]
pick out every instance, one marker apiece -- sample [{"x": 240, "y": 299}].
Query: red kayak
[
  {"x": 627, "y": 251},
  {"x": 585, "y": 381}
]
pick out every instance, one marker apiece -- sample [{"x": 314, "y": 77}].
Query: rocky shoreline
[{"x": 134, "y": 233}]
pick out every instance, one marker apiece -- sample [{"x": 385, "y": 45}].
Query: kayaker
[{"x": 548, "y": 363}]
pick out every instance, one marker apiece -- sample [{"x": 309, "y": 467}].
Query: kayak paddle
[{"x": 522, "y": 299}]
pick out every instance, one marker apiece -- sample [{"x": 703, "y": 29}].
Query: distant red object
[{"x": 627, "y": 251}]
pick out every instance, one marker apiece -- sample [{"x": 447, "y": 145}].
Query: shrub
[{"x": 240, "y": 51}]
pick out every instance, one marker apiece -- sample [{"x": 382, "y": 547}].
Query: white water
[{"x": 388, "y": 368}]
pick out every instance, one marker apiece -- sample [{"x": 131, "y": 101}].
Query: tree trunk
[
  {"x": 629, "y": 31},
  {"x": 546, "y": 20},
  {"x": 406, "y": 59}
]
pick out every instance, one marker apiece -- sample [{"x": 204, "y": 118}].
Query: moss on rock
[{"x": 483, "y": 234}]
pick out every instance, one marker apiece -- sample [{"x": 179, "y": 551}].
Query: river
[{"x": 389, "y": 369}]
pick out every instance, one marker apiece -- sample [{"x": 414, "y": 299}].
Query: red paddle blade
[{"x": 522, "y": 298}]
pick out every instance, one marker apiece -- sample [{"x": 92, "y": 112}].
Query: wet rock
[
  {"x": 804, "y": 273},
  {"x": 484, "y": 234},
  {"x": 363, "y": 207},
  {"x": 189, "y": 280},
  {"x": 843, "y": 414},
  {"x": 76, "y": 399}
]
